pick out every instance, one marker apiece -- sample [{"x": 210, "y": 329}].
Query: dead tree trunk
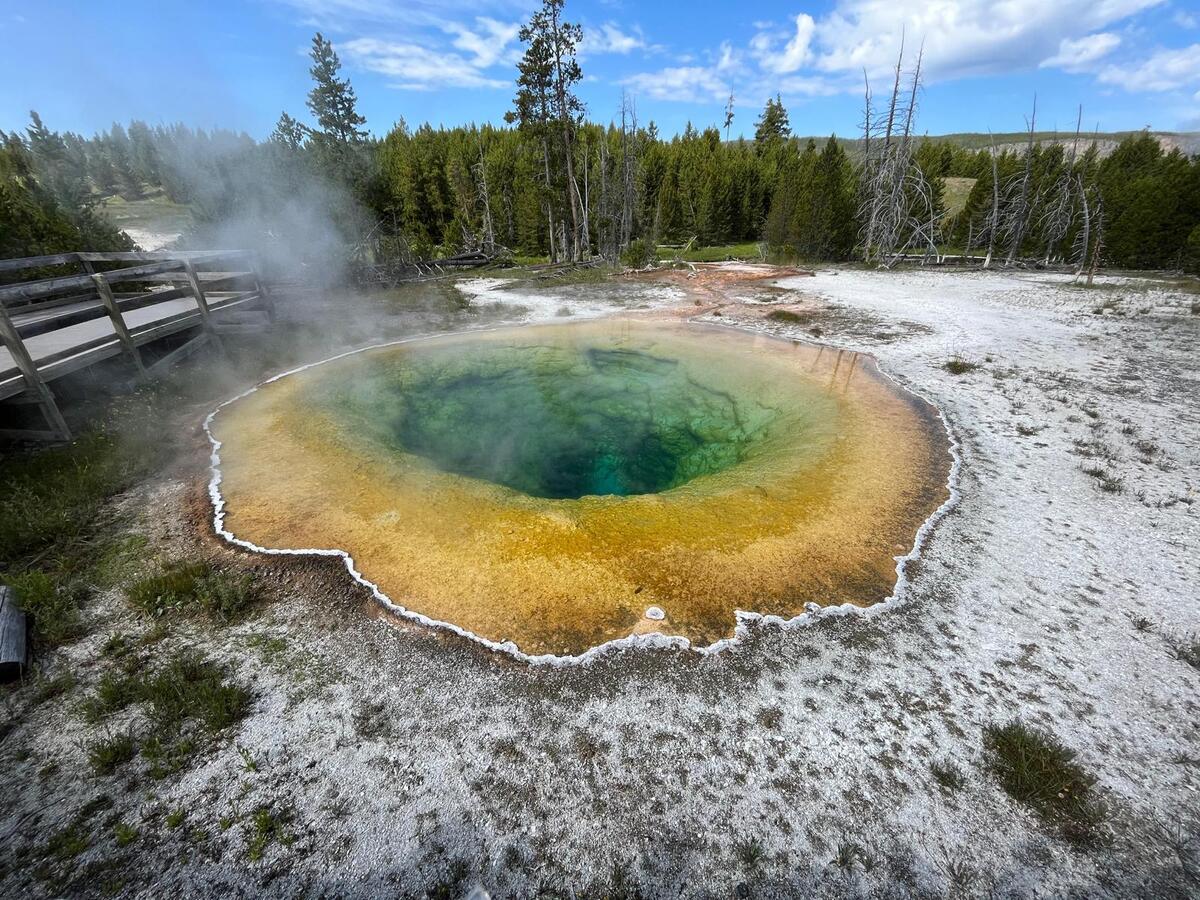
[
  {"x": 993, "y": 224},
  {"x": 1098, "y": 243},
  {"x": 1019, "y": 215},
  {"x": 484, "y": 199}
]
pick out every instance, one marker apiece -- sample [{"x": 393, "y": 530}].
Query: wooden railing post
[
  {"x": 11, "y": 339},
  {"x": 267, "y": 299},
  {"x": 189, "y": 269},
  {"x": 118, "y": 323}
]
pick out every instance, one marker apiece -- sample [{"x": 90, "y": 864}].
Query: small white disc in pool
[{"x": 655, "y": 613}]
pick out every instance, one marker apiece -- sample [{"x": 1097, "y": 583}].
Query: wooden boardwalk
[{"x": 118, "y": 304}]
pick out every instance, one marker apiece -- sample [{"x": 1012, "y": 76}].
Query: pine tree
[
  {"x": 773, "y": 124},
  {"x": 289, "y": 133},
  {"x": 332, "y": 100},
  {"x": 546, "y": 102}
]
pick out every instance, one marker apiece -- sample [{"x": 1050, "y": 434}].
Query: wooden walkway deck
[{"x": 56, "y": 325}]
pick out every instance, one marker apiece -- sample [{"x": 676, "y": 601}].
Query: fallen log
[{"x": 13, "y": 649}]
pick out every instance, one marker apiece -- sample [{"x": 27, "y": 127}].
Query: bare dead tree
[
  {"x": 483, "y": 199},
  {"x": 897, "y": 200},
  {"x": 1061, "y": 207},
  {"x": 1018, "y": 209},
  {"x": 1098, "y": 242},
  {"x": 870, "y": 198},
  {"x": 604, "y": 222},
  {"x": 1083, "y": 237},
  {"x": 629, "y": 167},
  {"x": 991, "y": 224}
]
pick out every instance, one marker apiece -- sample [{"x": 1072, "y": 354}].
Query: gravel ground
[{"x": 394, "y": 760}]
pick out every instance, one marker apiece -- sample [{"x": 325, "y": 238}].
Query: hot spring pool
[{"x": 546, "y": 486}]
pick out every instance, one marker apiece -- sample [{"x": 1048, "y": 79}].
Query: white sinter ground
[{"x": 408, "y": 762}]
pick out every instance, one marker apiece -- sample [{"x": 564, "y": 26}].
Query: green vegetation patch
[
  {"x": 52, "y": 548},
  {"x": 194, "y": 586},
  {"x": 268, "y": 825},
  {"x": 957, "y": 365},
  {"x": 718, "y": 253},
  {"x": 52, "y": 605},
  {"x": 106, "y": 754},
  {"x": 1036, "y": 769},
  {"x": 189, "y": 700},
  {"x": 53, "y": 495}
]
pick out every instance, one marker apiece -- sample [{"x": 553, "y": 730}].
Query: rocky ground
[{"x": 848, "y": 757}]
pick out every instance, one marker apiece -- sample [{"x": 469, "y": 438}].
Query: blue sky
[{"x": 82, "y": 65}]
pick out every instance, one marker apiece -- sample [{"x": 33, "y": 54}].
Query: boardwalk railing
[{"x": 53, "y": 326}]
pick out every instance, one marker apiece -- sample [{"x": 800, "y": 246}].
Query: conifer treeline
[{"x": 553, "y": 183}]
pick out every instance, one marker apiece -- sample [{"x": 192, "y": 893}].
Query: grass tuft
[
  {"x": 108, "y": 753},
  {"x": 124, "y": 835},
  {"x": 52, "y": 605},
  {"x": 194, "y": 586},
  {"x": 168, "y": 590},
  {"x": 1034, "y": 768},
  {"x": 189, "y": 699},
  {"x": 957, "y": 365},
  {"x": 749, "y": 852},
  {"x": 69, "y": 842},
  {"x": 268, "y": 825}
]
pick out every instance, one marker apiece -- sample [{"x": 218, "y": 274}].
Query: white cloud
[
  {"x": 728, "y": 58},
  {"x": 337, "y": 13},
  {"x": 795, "y": 53},
  {"x": 427, "y": 64},
  {"x": 416, "y": 67},
  {"x": 488, "y": 42},
  {"x": 1077, "y": 55},
  {"x": 1165, "y": 70},
  {"x": 818, "y": 86},
  {"x": 1185, "y": 19},
  {"x": 960, "y": 37},
  {"x": 686, "y": 84},
  {"x": 609, "y": 38}
]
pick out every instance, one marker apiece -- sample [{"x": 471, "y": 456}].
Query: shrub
[{"x": 640, "y": 253}]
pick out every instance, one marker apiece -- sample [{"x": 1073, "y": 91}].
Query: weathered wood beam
[
  {"x": 164, "y": 363},
  {"x": 33, "y": 378},
  {"x": 38, "y": 262},
  {"x": 201, "y": 303},
  {"x": 13, "y": 648},
  {"x": 118, "y": 322}
]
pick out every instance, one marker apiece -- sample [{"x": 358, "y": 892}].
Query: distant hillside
[{"x": 1188, "y": 142}]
